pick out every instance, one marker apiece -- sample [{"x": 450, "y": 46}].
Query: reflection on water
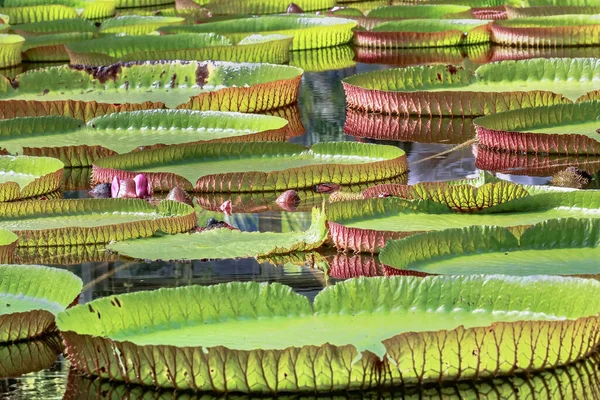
[{"x": 436, "y": 150}]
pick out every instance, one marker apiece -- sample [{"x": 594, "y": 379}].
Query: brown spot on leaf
[
  {"x": 439, "y": 76},
  {"x": 452, "y": 69},
  {"x": 201, "y": 74},
  {"x": 173, "y": 80},
  {"x": 90, "y": 308},
  {"x": 101, "y": 73}
]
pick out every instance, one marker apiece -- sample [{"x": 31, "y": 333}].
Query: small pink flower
[
  {"x": 226, "y": 207},
  {"x": 136, "y": 188},
  {"x": 288, "y": 200}
]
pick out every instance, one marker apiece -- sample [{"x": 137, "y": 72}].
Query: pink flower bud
[
  {"x": 141, "y": 186},
  {"x": 226, "y": 207}
]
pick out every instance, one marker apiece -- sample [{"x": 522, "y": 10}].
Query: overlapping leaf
[
  {"x": 29, "y": 356},
  {"x": 79, "y": 222},
  {"x": 78, "y": 144},
  {"x": 248, "y": 167},
  {"x": 309, "y": 32},
  {"x": 255, "y": 7},
  {"x": 31, "y": 297},
  {"x": 49, "y": 48},
  {"x": 224, "y": 243},
  {"x": 371, "y": 332},
  {"x": 8, "y": 242},
  {"x": 22, "y": 176}
]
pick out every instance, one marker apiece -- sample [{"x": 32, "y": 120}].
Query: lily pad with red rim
[
  {"x": 491, "y": 88},
  {"x": 257, "y": 7},
  {"x": 249, "y": 167}
]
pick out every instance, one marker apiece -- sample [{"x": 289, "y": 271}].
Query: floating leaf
[
  {"x": 548, "y": 10},
  {"x": 434, "y": 11},
  {"x": 75, "y": 222},
  {"x": 408, "y": 129},
  {"x": 320, "y": 60},
  {"x": 424, "y": 33},
  {"x": 22, "y": 176},
  {"x": 8, "y": 242},
  {"x": 30, "y": 297},
  {"x": 29, "y": 356},
  {"x": 48, "y": 48},
  {"x": 248, "y": 167},
  {"x": 359, "y": 334},
  {"x": 491, "y": 88},
  {"x": 576, "y": 381},
  {"x": 183, "y": 46},
  {"x": 552, "y": 31},
  {"x": 38, "y": 13},
  {"x": 256, "y": 7},
  {"x": 222, "y": 86},
  {"x": 366, "y": 225},
  {"x": 137, "y": 25},
  {"x": 554, "y": 247},
  {"x": 64, "y": 255},
  {"x": 78, "y": 145},
  {"x": 73, "y": 25},
  {"x": 559, "y": 129},
  {"x": 309, "y": 32},
  {"x": 224, "y": 243},
  {"x": 10, "y": 50}
]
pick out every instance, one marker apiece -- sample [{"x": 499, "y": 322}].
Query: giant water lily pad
[
  {"x": 197, "y": 85},
  {"x": 491, "y": 88},
  {"x": 137, "y": 24},
  {"x": 183, "y": 46},
  {"x": 34, "y": 11},
  {"x": 8, "y": 242},
  {"x": 72, "y": 222},
  {"x": 248, "y": 167},
  {"x": 78, "y": 144},
  {"x": 576, "y": 381},
  {"x": 478, "y": 54},
  {"x": 49, "y": 48},
  {"x": 555, "y": 247},
  {"x": 424, "y": 33},
  {"x": 43, "y": 28},
  {"x": 309, "y": 32},
  {"x": 434, "y": 11},
  {"x": 22, "y": 176},
  {"x": 557, "y": 30},
  {"x": 10, "y": 50},
  {"x": 548, "y": 10},
  {"x": 408, "y": 129},
  {"x": 559, "y": 129},
  {"x": 320, "y": 60},
  {"x": 30, "y": 298},
  {"x": 224, "y": 243},
  {"x": 256, "y": 7},
  {"x": 359, "y": 334},
  {"x": 366, "y": 225}
]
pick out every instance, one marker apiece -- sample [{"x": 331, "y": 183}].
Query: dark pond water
[{"x": 436, "y": 150}]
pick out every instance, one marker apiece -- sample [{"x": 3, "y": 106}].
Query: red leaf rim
[{"x": 551, "y": 36}]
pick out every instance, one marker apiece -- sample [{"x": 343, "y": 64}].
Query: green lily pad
[
  {"x": 224, "y": 243},
  {"x": 556, "y": 30},
  {"x": 424, "y": 33},
  {"x": 78, "y": 144},
  {"x": 359, "y": 334},
  {"x": 153, "y": 4},
  {"x": 64, "y": 255},
  {"x": 548, "y": 10},
  {"x": 491, "y": 88},
  {"x": 71, "y": 25},
  {"x": 320, "y": 60},
  {"x": 29, "y": 356},
  {"x": 30, "y": 297},
  {"x": 137, "y": 25},
  {"x": 22, "y": 176},
  {"x": 366, "y": 225},
  {"x": 455, "y": 55},
  {"x": 38, "y": 13},
  {"x": 71, "y": 222},
  {"x": 32, "y": 11},
  {"x": 559, "y": 129},
  {"x": 435, "y": 11},
  {"x": 309, "y": 32},
  {"x": 408, "y": 128},
  {"x": 50, "y": 48},
  {"x": 183, "y": 46},
  {"x": 555, "y": 247},
  {"x": 576, "y": 381},
  {"x": 257, "y": 7},
  {"x": 207, "y": 85},
  {"x": 10, "y": 50},
  {"x": 8, "y": 242},
  {"x": 249, "y": 167}
]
